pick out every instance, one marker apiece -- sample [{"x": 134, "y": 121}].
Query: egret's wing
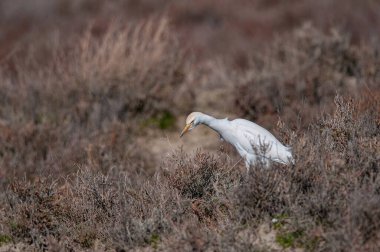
[
  {"x": 251, "y": 134},
  {"x": 254, "y": 132}
]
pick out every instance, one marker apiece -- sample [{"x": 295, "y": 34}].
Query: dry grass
[
  {"x": 78, "y": 101},
  {"x": 73, "y": 177},
  {"x": 328, "y": 200},
  {"x": 299, "y": 74}
]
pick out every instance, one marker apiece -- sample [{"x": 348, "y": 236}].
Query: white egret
[{"x": 253, "y": 142}]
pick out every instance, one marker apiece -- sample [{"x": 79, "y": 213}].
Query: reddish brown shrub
[{"x": 298, "y": 76}]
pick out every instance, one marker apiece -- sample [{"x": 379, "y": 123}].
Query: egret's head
[{"x": 192, "y": 121}]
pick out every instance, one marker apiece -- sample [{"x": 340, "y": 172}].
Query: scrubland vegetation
[{"x": 75, "y": 174}]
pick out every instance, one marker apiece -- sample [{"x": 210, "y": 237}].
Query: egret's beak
[{"x": 186, "y": 129}]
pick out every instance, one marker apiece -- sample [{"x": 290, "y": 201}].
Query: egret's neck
[
  {"x": 206, "y": 120},
  {"x": 211, "y": 122}
]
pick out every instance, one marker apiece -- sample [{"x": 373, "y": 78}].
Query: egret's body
[{"x": 253, "y": 142}]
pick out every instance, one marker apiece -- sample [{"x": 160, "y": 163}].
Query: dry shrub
[
  {"x": 40, "y": 149},
  {"x": 36, "y": 212},
  {"x": 202, "y": 202},
  {"x": 205, "y": 180},
  {"x": 43, "y": 211},
  {"x": 92, "y": 207},
  {"x": 298, "y": 75},
  {"x": 339, "y": 163},
  {"x": 315, "y": 202},
  {"x": 69, "y": 100},
  {"x": 102, "y": 77},
  {"x": 74, "y": 102},
  {"x": 193, "y": 237},
  {"x": 262, "y": 194},
  {"x": 195, "y": 180},
  {"x": 328, "y": 200},
  {"x": 122, "y": 209}
]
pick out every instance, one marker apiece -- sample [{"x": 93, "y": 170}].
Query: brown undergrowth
[
  {"x": 299, "y": 75},
  {"x": 74, "y": 178}
]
